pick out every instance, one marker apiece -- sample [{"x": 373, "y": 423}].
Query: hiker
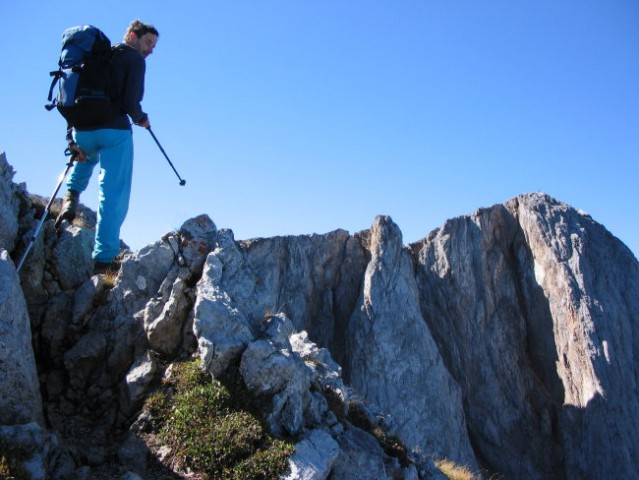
[{"x": 111, "y": 145}]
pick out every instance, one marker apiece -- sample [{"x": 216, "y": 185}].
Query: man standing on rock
[{"x": 111, "y": 145}]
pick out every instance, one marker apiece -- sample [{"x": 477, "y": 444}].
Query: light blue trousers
[{"x": 113, "y": 150}]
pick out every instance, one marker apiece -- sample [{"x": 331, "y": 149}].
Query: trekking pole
[
  {"x": 36, "y": 232},
  {"x": 182, "y": 182}
]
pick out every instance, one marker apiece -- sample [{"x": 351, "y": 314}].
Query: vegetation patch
[
  {"x": 8, "y": 471},
  {"x": 453, "y": 471},
  {"x": 4, "y": 468},
  {"x": 215, "y": 428}
]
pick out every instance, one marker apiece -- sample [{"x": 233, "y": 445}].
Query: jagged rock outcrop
[
  {"x": 9, "y": 205},
  {"x": 482, "y": 306},
  {"x": 524, "y": 300},
  {"x": 20, "y": 400},
  {"x": 504, "y": 340},
  {"x": 590, "y": 280},
  {"x": 314, "y": 456},
  {"x": 392, "y": 357}
]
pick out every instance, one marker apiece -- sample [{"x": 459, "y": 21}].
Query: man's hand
[
  {"x": 77, "y": 153},
  {"x": 144, "y": 123}
]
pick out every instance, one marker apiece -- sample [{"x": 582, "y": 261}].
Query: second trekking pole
[
  {"x": 182, "y": 182},
  {"x": 45, "y": 214}
]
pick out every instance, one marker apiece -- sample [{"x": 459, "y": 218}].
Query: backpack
[{"x": 85, "y": 98}]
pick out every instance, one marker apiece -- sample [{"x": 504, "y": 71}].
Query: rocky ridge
[{"x": 504, "y": 340}]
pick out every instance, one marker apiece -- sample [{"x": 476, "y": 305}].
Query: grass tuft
[
  {"x": 216, "y": 429},
  {"x": 8, "y": 471},
  {"x": 110, "y": 277},
  {"x": 4, "y": 468},
  {"x": 453, "y": 471}
]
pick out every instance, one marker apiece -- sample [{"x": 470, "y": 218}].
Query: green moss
[
  {"x": 159, "y": 406},
  {"x": 216, "y": 428},
  {"x": 187, "y": 375}
]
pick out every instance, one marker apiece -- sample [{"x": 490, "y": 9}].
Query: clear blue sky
[{"x": 297, "y": 117}]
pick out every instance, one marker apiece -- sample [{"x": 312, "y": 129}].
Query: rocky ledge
[{"x": 504, "y": 341}]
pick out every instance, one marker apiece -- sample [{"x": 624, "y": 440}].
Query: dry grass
[
  {"x": 452, "y": 471},
  {"x": 82, "y": 223},
  {"x": 110, "y": 277},
  {"x": 11, "y": 472}
]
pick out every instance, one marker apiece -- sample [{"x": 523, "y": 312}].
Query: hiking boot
[
  {"x": 69, "y": 208},
  {"x": 106, "y": 268}
]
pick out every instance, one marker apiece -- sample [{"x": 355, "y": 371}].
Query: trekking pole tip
[{"x": 182, "y": 183}]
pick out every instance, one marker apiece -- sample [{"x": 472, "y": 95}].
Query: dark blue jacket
[{"x": 127, "y": 83}]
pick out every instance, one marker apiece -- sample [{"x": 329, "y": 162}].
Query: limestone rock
[
  {"x": 393, "y": 360},
  {"x": 527, "y": 302},
  {"x": 314, "y": 457},
  {"x": 362, "y": 458},
  {"x": 140, "y": 377},
  {"x": 134, "y": 453},
  {"x": 82, "y": 360},
  {"x": 222, "y": 330},
  {"x": 33, "y": 449},
  {"x": 197, "y": 238},
  {"x": 142, "y": 273},
  {"x": 326, "y": 373},
  {"x": 71, "y": 256},
  {"x": 590, "y": 283},
  {"x": 472, "y": 301},
  {"x": 312, "y": 279},
  {"x": 181, "y": 257},
  {"x": 165, "y": 315},
  {"x": 9, "y": 206},
  {"x": 282, "y": 375},
  {"x": 20, "y": 400},
  {"x": 513, "y": 326}
]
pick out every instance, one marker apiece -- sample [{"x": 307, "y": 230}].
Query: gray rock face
[
  {"x": 474, "y": 302},
  {"x": 505, "y": 338},
  {"x": 526, "y": 301},
  {"x": 34, "y": 447},
  {"x": 222, "y": 330},
  {"x": 282, "y": 375},
  {"x": 71, "y": 257},
  {"x": 313, "y": 279},
  {"x": 394, "y": 361},
  {"x": 20, "y": 400},
  {"x": 9, "y": 206},
  {"x": 314, "y": 457},
  {"x": 591, "y": 283}
]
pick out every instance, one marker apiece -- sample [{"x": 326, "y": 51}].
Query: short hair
[{"x": 140, "y": 29}]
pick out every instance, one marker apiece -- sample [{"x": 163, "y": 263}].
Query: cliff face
[
  {"x": 533, "y": 306},
  {"x": 505, "y": 340}
]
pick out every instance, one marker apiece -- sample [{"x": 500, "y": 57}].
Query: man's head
[{"x": 142, "y": 37}]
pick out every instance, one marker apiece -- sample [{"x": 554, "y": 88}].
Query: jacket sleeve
[{"x": 134, "y": 90}]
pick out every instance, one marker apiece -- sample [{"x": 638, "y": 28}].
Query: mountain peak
[{"x": 503, "y": 341}]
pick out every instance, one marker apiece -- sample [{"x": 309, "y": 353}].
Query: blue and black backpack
[{"x": 85, "y": 97}]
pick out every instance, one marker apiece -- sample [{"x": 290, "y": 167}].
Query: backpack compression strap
[{"x": 56, "y": 76}]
